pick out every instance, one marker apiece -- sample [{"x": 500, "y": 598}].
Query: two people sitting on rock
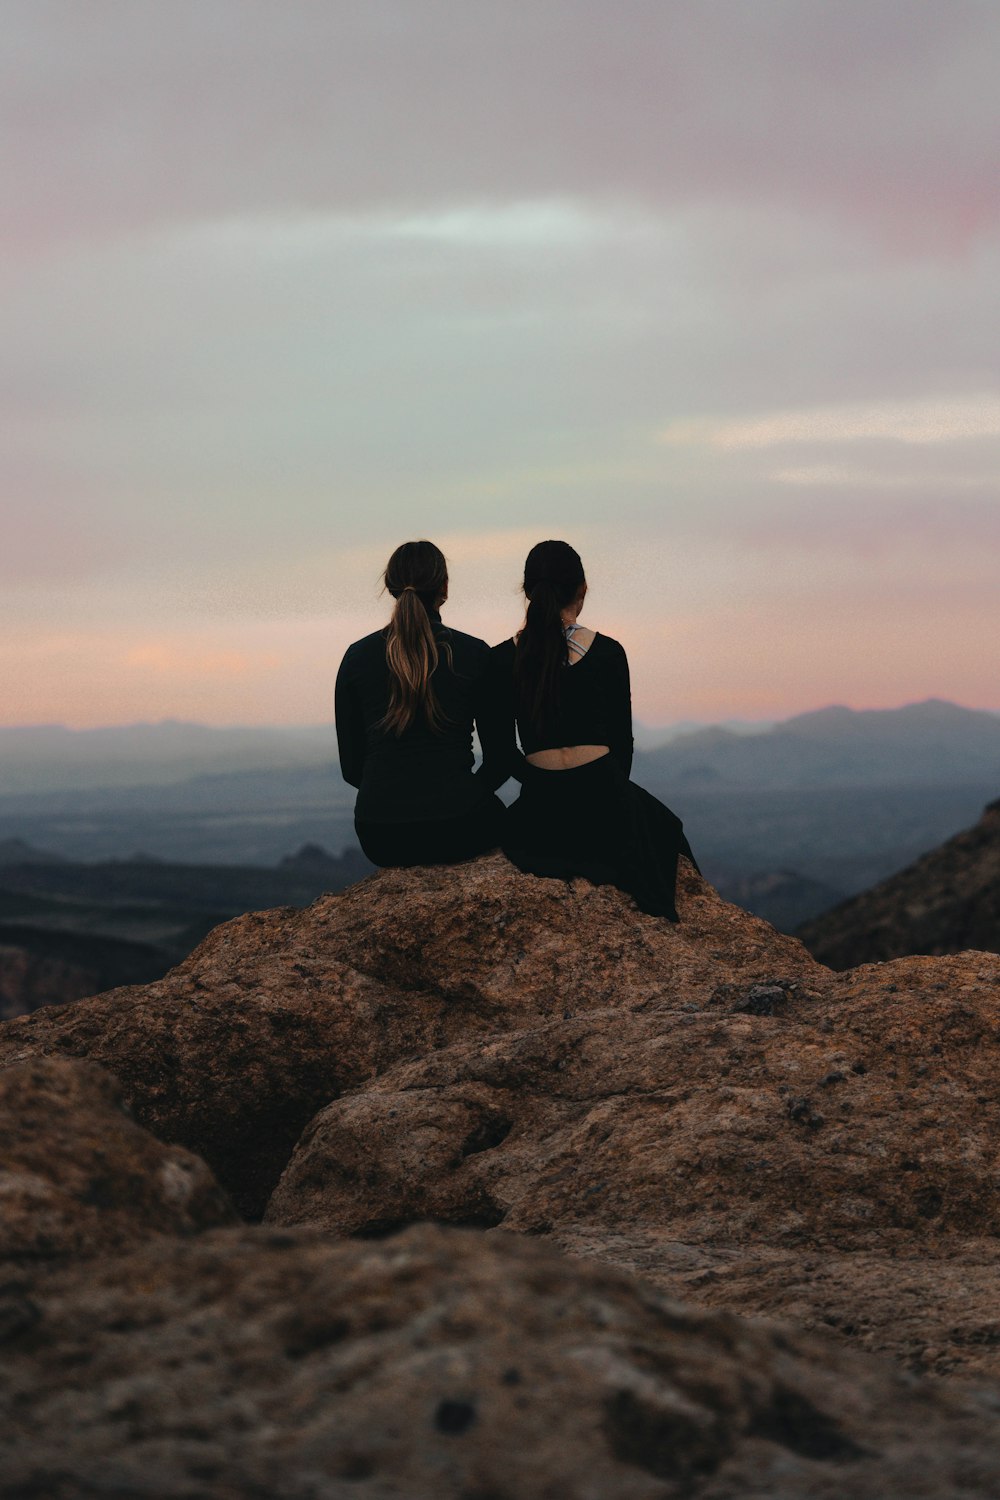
[{"x": 409, "y": 695}]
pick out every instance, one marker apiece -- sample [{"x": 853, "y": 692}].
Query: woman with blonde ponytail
[
  {"x": 407, "y": 699},
  {"x": 567, "y": 688}
]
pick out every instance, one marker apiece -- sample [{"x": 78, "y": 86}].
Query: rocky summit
[{"x": 546, "y": 1198}]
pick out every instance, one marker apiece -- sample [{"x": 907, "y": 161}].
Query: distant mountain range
[
  {"x": 46, "y": 758},
  {"x": 930, "y": 743},
  {"x": 786, "y": 820},
  {"x": 920, "y": 743}
]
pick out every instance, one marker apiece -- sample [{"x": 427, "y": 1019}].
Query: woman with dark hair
[
  {"x": 568, "y": 687},
  {"x": 407, "y": 698}
]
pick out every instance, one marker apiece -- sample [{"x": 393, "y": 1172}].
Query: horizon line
[{"x": 648, "y": 724}]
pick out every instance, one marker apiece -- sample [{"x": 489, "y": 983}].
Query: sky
[{"x": 708, "y": 288}]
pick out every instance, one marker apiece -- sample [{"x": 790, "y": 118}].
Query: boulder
[
  {"x": 78, "y": 1177},
  {"x": 770, "y": 1148},
  {"x": 277, "y": 1013},
  {"x": 447, "y": 1365},
  {"x": 703, "y": 1102},
  {"x": 864, "y": 1117}
]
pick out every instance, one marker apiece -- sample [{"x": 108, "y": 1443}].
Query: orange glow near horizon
[{"x": 707, "y": 668}]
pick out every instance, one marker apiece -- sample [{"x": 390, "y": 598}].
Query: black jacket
[{"x": 423, "y": 773}]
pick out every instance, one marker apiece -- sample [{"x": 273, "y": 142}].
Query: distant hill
[
  {"x": 922, "y": 744},
  {"x": 783, "y": 897},
  {"x": 945, "y": 902}
]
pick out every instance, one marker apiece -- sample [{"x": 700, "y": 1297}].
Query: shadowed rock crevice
[
  {"x": 676, "y": 1441},
  {"x": 791, "y": 1420}
]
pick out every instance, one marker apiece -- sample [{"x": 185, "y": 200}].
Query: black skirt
[
  {"x": 592, "y": 821},
  {"x": 437, "y": 841}
]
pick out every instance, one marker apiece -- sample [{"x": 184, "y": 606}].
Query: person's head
[
  {"x": 416, "y": 576},
  {"x": 422, "y": 568},
  {"x": 554, "y": 580},
  {"x": 554, "y": 587}
]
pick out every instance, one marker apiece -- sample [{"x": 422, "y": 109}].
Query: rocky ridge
[
  {"x": 703, "y": 1104},
  {"x": 945, "y": 902}
]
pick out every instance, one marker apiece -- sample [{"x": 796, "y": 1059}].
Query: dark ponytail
[
  {"x": 553, "y": 577},
  {"x": 416, "y": 576}
]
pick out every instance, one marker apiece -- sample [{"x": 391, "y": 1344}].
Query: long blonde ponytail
[{"x": 417, "y": 577}]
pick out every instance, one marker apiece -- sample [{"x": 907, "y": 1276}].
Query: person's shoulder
[
  {"x": 358, "y": 651},
  {"x": 373, "y": 642},
  {"x": 608, "y": 647}
]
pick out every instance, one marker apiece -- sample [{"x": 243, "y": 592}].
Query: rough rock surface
[
  {"x": 946, "y": 901},
  {"x": 704, "y": 1103},
  {"x": 866, "y": 1117},
  {"x": 276, "y": 1013},
  {"x": 442, "y": 1365},
  {"x": 78, "y": 1176}
]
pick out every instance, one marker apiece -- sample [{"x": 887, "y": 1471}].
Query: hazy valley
[{"x": 120, "y": 849}]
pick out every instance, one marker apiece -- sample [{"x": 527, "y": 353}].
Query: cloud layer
[{"x": 710, "y": 289}]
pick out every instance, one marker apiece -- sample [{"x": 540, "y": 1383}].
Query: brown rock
[
  {"x": 78, "y": 1176},
  {"x": 755, "y": 1127},
  {"x": 945, "y": 902},
  {"x": 864, "y": 1118},
  {"x": 278, "y": 1012},
  {"x": 446, "y": 1365},
  {"x": 702, "y": 1102}
]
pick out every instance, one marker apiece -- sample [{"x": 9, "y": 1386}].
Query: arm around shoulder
[{"x": 495, "y": 722}]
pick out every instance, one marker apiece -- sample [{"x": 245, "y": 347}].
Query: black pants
[
  {"x": 442, "y": 841},
  {"x": 592, "y": 821}
]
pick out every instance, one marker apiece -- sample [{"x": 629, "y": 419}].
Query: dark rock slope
[
  {"x": 704, "y": 1104},
  {"x": 945, "y": 902}
]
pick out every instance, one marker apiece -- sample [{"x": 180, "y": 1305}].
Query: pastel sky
[{"x": 710, "y": 289}]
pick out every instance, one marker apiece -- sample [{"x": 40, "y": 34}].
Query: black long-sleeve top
[
  {"x": 594, "y": 707},
  {"x": 423, "y": 773}
]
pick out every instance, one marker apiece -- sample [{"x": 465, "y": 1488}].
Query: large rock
[
  {"x": 946, "y": 901},
  {"x": 704, "y": 1102},
  {"x": 277, "y": 1013},
  {"x": 866, "y": 1117},
  {"x": 445, "y": 1366},
  {"x": 771, "y": 1148},
  {"x": 78, "y": 1176}
]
